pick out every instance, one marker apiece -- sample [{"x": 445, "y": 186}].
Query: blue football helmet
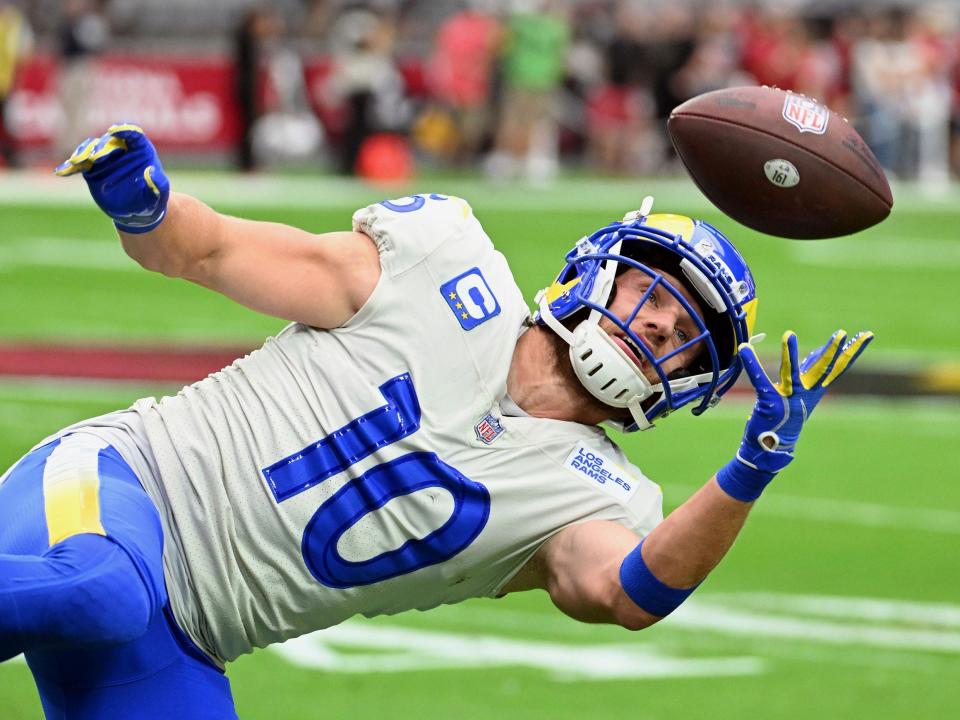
[{"x": 710, "y": 268}]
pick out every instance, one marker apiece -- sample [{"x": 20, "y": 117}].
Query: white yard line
[
  {"x": 872, "y": 632},
  {"x": 878, "y": 251},
  {"x": 730, "y": 621},
  {"x": 930, "y": 615},
  {"x": 65, "y": 252},
  {"x": 398, "y": 649},
  {"x": 860, "y": 634},
  {"x": 905, "y": 625},
  {"x": 852, "y": 512},
  {"x": 867, "y": 622}
]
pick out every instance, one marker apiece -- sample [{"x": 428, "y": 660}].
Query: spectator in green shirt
[{"x": 533, "y": 64}]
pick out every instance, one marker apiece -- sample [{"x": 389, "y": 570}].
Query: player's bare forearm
[
  {"x": 183, "y": 243},
  {"x": 276, "y": 269},
  {"x": 581, "y": 565},
  {"x": 690, "y": 542}
]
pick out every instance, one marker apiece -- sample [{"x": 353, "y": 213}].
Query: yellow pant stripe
[{"x": 71, "y": 488}]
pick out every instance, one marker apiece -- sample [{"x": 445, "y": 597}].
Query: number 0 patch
[{"x": 470, "y": 298}]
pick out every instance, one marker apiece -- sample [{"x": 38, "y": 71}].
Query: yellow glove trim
[
  {"x": 849, "y": 352},
  {"x": 124, "y": 127},
  {"x": 816, "y": 372},
  {"x": 109, "y": 146},
  {"x": 84, "y": 157},
  {"x": 67, "y": 168},
  {"x": 79, "y": 160},
  {"x": 148, "y": 177},
  {"x": 785, "y": 386}
]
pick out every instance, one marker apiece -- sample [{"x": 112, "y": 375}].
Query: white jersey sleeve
[{"x": 407, "y": 230}]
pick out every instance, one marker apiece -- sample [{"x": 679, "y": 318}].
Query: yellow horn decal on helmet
[
  {"x": 675, "y": 224},
  {"x": 750, "y": 308},
  {"x": 557, "y": 289}
]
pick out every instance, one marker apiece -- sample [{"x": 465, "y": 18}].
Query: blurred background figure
[
  {"x": 16, "y": 43},
  {"x": 533, "y": 61},
  {"x": 364, "y": 81},
  {"x": 259, "y": 28},
  {"x": 931, "y": 39},
  {"x": 620, "y": 111},
  {"x": 901, "y": 74},
  {"x": 84, "y": 33},
  {"x": 460, "y": 76},
  {"x": 713, "y": 61},
  {"x": 528, "y": 86}
]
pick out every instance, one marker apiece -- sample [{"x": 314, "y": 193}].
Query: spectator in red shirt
[{"x": 460, "y": 70}]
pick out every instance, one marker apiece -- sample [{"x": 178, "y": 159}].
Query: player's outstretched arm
[
  {"x": 598, "y": 572},
  {"x": 319, "y": 280}
]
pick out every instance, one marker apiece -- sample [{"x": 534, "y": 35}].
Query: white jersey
[{"x": 369, "y": 469}]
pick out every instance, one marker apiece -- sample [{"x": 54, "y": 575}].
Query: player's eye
[{"x": 681, "y": 335}]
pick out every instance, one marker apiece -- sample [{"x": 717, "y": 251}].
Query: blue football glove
[
  {"x": 783, "y": 407},
  {"x": 124, "y": 175}
]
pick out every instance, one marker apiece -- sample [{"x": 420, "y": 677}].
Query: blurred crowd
[{"x": 521, "y": 88}]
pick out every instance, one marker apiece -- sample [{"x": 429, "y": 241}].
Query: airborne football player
[{"x": 414, "y": 437}]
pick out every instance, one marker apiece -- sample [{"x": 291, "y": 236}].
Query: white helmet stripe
[{"x": 703, "y": 286}]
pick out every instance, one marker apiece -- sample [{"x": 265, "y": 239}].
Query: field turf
[{"x": 840, "y": 600}]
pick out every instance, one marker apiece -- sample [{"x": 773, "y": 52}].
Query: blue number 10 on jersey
[{"x": 373, "y": 489}]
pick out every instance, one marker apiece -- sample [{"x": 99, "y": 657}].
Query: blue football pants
[{"x": 82, "y": 593}]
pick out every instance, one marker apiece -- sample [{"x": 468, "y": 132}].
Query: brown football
[{"x": 780, "y": 162}]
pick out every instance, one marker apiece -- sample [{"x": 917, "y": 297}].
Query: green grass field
[{"x": 840, "y": 600}]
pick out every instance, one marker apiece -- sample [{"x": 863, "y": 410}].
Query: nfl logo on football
[{"x": 805, "y": 114}]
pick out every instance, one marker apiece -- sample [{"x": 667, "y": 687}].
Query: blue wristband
[
  {"x": 742, "y": 482},
  {"x": 642, "y": 586}
]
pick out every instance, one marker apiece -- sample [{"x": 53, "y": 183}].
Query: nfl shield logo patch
[
  {"x": 488, "y": 429},
  {"x": 805, "y": 114}
]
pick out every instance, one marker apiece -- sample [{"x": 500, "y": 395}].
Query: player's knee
[{"x": 105, "y": 600}]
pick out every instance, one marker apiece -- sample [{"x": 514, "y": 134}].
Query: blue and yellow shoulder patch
[{"x": 470, "y": 298}]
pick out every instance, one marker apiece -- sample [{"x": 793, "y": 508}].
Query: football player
[{"x": 414, "y": 437}]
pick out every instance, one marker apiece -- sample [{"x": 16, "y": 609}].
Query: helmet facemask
[{"x": 601, "y": 365}]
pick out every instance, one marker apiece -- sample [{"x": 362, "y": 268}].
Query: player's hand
[
  {"x": 783, "y": 407},
  {"x": 124, "y": 175}
]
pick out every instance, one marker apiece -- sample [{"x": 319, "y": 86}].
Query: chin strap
[
  {"x": 602, "y": 367},
  {"x": 607, "y": 372}
]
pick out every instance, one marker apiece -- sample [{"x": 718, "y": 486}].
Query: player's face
[{"x": 662, "y": 322}]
